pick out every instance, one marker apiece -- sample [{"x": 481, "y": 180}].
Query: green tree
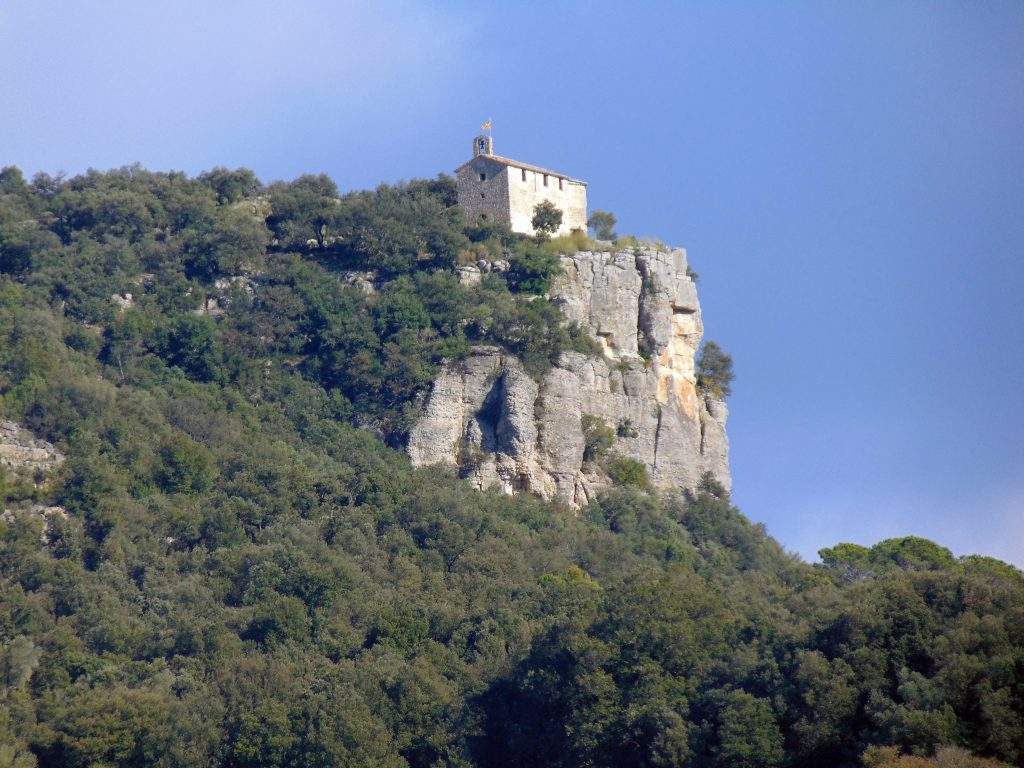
[
  {"x": 712, "y": 485},
  {"x": 12, "y": 181},
  {"x": 532, "y": 269},
  {"x": 230, "y": 186},
  {"x": 740, "y": 731},
  {"x": 714, "y": 371},
  {"x": 190, "y": 343},
  {"x": 547, "y": 218},
  {"x": 185, "y": 466},
  {"x": 262, "y": 736},
  {"x": 279, "y": 619},
  {"x": 226, "y": 243},
  {"x": 603, "y": 224},
  {"x": 304, "y": 210}
]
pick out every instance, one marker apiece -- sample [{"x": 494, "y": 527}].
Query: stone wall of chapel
[{"x": 482, "y": 186}]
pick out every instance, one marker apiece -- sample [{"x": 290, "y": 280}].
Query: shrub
[
  {"x": 710, "y": 484},
  {"x": 279, "y": 619},
  {"x": 625, "y": 428},
  {"x": 714, "y": 371},
  {"x": 582, "y": 341},
  {"x": 189, "y": 342},
  {"x": 628, "y": 472},
  {"x": 223, "y": 245},
  {"x": 231, "y": 185},
  {"x": 598, "y": 437},
  {"x": 631, "y": 242},
  {"x": 483, "y": 231},
  {"x": 532, "y": 268},
  {"x": 303, "y": 210},
  {"x": 185, "y": 466},
  {"x": 574, "y": 242}
]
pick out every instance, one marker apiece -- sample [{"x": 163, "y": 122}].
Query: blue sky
[{"x": 848, "y": 179}]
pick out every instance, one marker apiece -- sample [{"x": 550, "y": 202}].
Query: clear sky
[{"x": 848, "y": 179}]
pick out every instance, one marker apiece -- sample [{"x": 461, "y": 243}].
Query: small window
[
  {"x": 524, "y": 174},
  {"x": 483, "y": 177},
  {"x": 545, "y": 179},
  {"x": 560, "y": 184}
]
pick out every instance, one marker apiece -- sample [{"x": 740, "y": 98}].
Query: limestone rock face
[{"x": 488, "y": 417}]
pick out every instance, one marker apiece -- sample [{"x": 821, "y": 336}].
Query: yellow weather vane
[{"x": 486, "y": 126}]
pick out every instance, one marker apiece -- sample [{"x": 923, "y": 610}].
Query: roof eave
[{"x": 525, "y": 166}]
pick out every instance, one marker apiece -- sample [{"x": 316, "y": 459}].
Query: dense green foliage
[
  {"x": 623, "y": 470},
  {"x": 944, "y": 757},
  {"x": 246, "y": 577}
]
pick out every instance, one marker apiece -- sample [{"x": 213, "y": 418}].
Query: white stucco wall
[
  {"x": 569, "y": 197},
  {"x": 508, "y": 194}
]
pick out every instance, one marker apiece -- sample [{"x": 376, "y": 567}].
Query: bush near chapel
[{"x": 547, "y": 218}]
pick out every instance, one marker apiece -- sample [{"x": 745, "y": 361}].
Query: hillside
[{"x": 215, "y": 551}]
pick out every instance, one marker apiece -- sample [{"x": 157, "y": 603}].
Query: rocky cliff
[{"x": 488, "y": 417}]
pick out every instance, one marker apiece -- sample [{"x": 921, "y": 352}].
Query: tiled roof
[{"x": 527, "y": 166}]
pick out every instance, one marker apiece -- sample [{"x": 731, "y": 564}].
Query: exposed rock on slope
[
  {"x": 28, "y": 458},
  {"x": 487, "y": 416},
  {"x": 22, "y": 454}
]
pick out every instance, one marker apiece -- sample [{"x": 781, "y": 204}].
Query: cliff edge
[{"x": 487, "y": 416}]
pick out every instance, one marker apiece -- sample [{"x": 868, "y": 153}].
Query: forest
[{"x": 248, "y": 571}]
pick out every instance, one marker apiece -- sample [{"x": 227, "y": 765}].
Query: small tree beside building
[
  {"x": 546, "y": 219},
  {"x": 603, "y": 224}
]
